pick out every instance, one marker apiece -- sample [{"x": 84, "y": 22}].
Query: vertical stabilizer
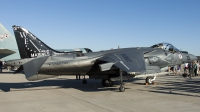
[
  {"x": 8, "y": 45},
  {"x": 30, "y": 46}
]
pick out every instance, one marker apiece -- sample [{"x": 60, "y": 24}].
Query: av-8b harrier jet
[{"x": 40, "y": 61}]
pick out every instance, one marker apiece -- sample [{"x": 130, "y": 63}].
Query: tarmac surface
[{"x": 172, "y": 93}]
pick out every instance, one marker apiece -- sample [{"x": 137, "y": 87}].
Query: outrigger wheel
[{"x": 121, "y": 88}]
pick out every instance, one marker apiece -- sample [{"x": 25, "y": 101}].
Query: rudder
[{"x": 30, "y": 46}]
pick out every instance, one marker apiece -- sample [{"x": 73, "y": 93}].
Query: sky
[{"x": 105, "y": 24}]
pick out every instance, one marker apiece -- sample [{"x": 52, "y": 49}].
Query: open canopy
[{"x": 166, "y": 46}]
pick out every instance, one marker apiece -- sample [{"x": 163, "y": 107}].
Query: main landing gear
[
  {"x": 84, "y": 80},
  {"x": 107, "y": 83},
  {"x": 78, "y": 77}
]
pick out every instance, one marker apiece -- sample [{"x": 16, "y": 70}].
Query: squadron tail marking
[{"x": 30, "y": 46}]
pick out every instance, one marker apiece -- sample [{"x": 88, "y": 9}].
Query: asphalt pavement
[{"x": 172, "y": 93}]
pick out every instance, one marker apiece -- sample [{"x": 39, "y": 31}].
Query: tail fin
[
  {"x": 8, "y": 46},
  {"x": 30, "y": 46}
]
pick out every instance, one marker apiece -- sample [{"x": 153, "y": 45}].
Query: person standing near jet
[
  {"x": 175, "y": 69},
  {"x": 186, "y": 68},
  {"x": 178, "y": 69},
  {"x": 198, "y": 67},
  {"x": 192, "y": 69},
  {"x": 195, "y": 68}
]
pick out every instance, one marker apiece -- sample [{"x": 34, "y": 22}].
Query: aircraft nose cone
[
  {"x": 192, "y": 57},
  {"x": 188, "y": 58}
]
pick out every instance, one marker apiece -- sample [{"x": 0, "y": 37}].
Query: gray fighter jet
[{"x": 38, "y": 61}]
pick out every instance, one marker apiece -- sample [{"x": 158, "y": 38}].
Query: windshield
[{"x": 166, "y": 46}]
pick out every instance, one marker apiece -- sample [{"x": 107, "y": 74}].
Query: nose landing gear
[{"x": 150, "y": 80}]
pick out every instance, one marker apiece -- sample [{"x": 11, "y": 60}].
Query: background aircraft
[
  {"x": 39, "y": 61},
  {"x": 8, "y": 45}
]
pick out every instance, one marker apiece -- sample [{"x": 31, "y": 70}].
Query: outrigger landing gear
[
  {"x": 150, "y": 80},
  {"x": 121, "y": 88},
  {"x": 107, "y": 83},
  {"x": 84, "y": 80}
]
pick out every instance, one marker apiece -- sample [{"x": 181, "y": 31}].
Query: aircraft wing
[
  {"x": 126, "y": 60},
  {"x": 5, "y": 52}
]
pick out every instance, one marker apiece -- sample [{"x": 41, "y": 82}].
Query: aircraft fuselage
[{"x": 73, "y": 64}]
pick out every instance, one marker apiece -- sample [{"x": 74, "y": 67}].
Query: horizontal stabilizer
[
  {"x": 6, "y": 52},
  {"x": 32, "y": 67}
]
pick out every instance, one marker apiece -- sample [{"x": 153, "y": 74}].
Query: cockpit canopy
[{"x": 166, "y": 46}]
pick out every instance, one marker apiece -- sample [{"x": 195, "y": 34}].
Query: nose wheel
[{"x": 150, "y": 80}]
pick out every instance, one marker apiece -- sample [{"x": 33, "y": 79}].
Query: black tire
[
  {"x": 84, "y": 81},
  {"x": 148, "y": 80},
  {"x": 121, "y": 88}
]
